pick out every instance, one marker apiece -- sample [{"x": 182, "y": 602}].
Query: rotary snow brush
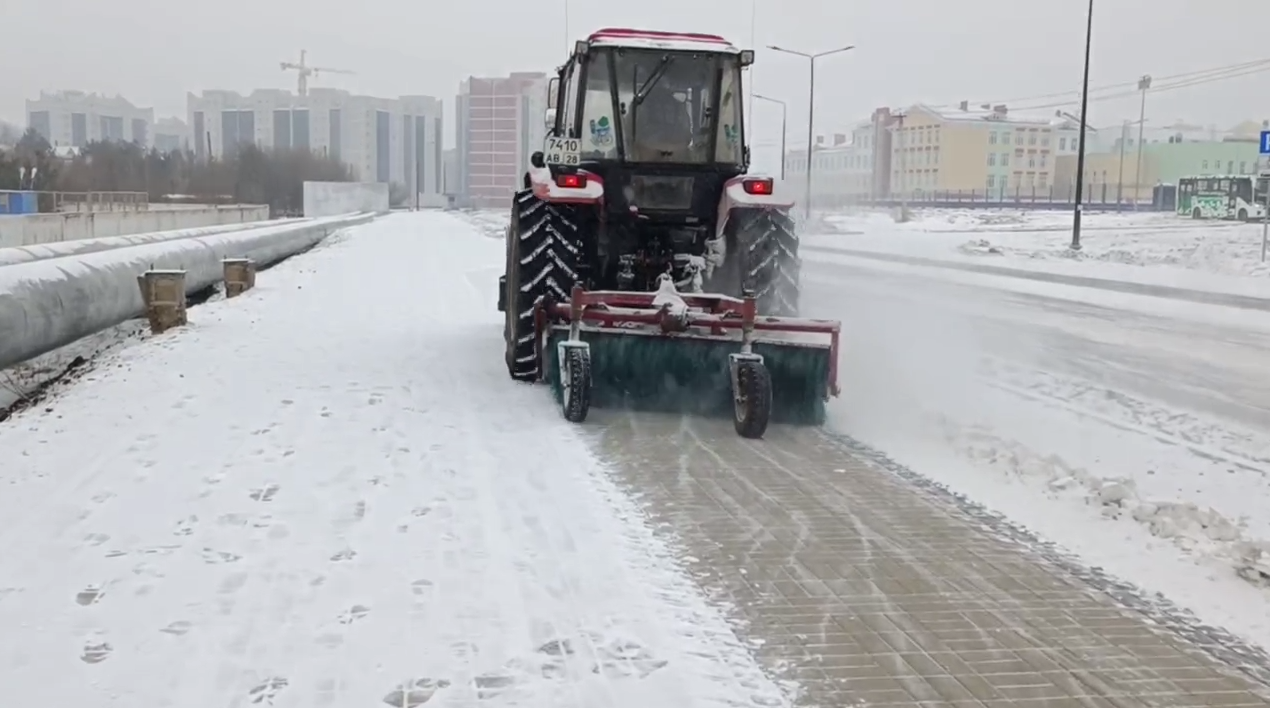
[{"x": 708, "y": 355}]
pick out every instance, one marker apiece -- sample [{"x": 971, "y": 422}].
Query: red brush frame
[{"x": 718, "y": 313}]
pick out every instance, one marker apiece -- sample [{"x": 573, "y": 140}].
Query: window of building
[
  {"x": 992, "y": 138},
  {"x": 1044, "y": 181},
  {"x": 992, "y": 181},
  {"x": 1204, "y": 165},
  {"x": 1062, "y": 143},
  {"x": 1031, "y": 139},
  {"x": 1005, "y": 159},
  {"x": 1018, "y": 139},
  {"x": 1031, "y": 162},
  {"x": 992, "y": 159},
  {"x": 1045, "y": 141},
  {"x": 1243, "y": 168},
  {"x": 1043, "y": 160}
]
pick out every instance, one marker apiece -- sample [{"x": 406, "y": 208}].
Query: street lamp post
[
  {"x": 1143, "y": 84},
  {"x": 811, "y": 108},
  {"x": 784, "y": 124},
  {"x": 1084, "y": 115}
]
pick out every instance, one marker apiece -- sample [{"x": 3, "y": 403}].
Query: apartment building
[
  {"x": 499, "y": 123},
  {"x": 75, "y": 118},
  {"x": 841, "y": 168},
  {"x": 382, "y": 139},
  {"x": 984, "y": 152}
]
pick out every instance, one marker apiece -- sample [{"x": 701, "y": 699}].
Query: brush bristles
[{"x": 690, "y": 376}]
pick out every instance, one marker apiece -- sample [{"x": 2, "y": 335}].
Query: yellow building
[{"x": 974, "y": 153}]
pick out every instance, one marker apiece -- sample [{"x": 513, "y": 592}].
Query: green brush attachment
[{"x": 642, "y": 372}]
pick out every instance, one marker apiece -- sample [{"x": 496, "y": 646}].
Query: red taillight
[
  {"x": 761, "y": 187},
  {"x": 573, "y": 181}
]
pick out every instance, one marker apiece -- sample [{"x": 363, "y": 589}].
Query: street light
[
  {"x": 811, "y": 107},
  {"x": 784, "y": 117},
  {"x": 1084, "y": 115}
]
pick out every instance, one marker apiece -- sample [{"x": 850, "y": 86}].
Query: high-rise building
[
  {"x": 76, "y": 118},
  {"x": 381, "y": 139},
  {"x": 171, "y": 134},
  {"x": 499, "y": 122}
]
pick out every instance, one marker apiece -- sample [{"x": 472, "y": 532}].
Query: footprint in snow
[
  {"x": 212, "y": 557},
  {"x": 90, "y": 595},
  {"x": 266, "y": 691},
  {"x": 177, "y": 628},
  {"x": 265, "y": 493},
  {"x": 95, "y": 653},
  {"x": 491, "y": 685},
  {"x": 96, "y": 539},
  {"x": 414, "y": 693},
  {"x": 185, "y": 527},
  {"x": 344, "y": 555},
  {"x": 353, "y": 614},
  {"x": 625, "y": 658}
]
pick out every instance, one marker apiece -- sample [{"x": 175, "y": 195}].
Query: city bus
[{"x": 1241, "y": 197}]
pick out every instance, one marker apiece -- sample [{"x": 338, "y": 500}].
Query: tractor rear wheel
[
  {"x": 762, "y": 258},
  {"x": 542, "y": 253}
]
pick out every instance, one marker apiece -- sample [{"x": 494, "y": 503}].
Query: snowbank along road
[{"x": 327, "y": 492}]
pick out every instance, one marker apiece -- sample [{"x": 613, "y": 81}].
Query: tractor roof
[{"x": 653, "y": 39}]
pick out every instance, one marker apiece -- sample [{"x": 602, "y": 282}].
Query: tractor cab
[{"x": 642, "y": 102}]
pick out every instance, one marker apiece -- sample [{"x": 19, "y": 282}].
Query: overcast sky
[{"x": 933, "y": 51}]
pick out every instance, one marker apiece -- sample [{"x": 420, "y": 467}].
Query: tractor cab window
[
  {"x": 730, "y": 147},
  {"x": 666, "y": 100},
  {"x": 599, "y": 139}
]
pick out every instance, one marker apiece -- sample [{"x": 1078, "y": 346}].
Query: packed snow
[
  {"x": 327, "y": 492},
  {"x": 1148, "y": 246},
  {"x": 1133, "y": 431}
]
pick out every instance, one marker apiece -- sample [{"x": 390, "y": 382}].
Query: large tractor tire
[
  {"x": 762, "y": 258},
  {"x": 542, "y": 255}
]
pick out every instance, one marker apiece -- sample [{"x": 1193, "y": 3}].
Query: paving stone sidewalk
[{"x": 870, "y": 588}]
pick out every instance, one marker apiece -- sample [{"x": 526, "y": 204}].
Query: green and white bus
[{"x": 1241, "y": 197}]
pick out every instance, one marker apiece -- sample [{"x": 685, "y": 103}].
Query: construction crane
[{"x": 304, "y": 71}]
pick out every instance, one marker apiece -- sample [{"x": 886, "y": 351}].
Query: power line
[
  {"x": 1258, "y": 65},
  {"x": 1156, "y": 88}
]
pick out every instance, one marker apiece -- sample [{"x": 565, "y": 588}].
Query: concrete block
[
  {"x": 240, "y": 276},
  {"x": 163, "y": 292}
]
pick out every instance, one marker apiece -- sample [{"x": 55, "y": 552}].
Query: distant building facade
[
  {"x": 171, "y": 134},
  {"x": 499, "y": 122},
  {"x": 75, "y": 118},
  {"x": 381, "y": 139}
]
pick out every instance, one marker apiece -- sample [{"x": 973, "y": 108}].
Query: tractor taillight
[
  {"x": 572, "y": 181},
  {"x": 761, "y": 187}
]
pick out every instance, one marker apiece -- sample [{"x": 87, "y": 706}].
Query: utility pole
[
  {"x": 811, "y": 110},
  {"x": 1124, "y": 136},
  {"x": 784, "y": 124},
  {"x": 1144, "y": 83},
  {"x": 1084, "y": 115}
]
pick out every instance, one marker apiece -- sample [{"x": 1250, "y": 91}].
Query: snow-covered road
[{"x": 326, "y": 488}]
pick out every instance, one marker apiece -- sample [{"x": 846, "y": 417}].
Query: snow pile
[
  {"x": 490, "y": 222},
  {"x": 328, "y": 492},
  {"x": 1221, "y": 249},
  {"x": 1111, "y": 244}
]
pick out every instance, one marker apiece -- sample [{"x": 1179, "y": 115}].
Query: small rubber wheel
[
  {"x": 753, "y": 399},
  {"x": 1243, "y": 214},
  {"x": 1196, "y": 213},
  {"x": 577, "y": 397}
]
